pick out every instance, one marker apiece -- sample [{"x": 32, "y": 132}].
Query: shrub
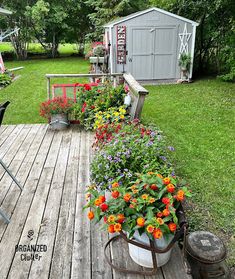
[
  {"x": 5, "y": 80},
  {"x": 133, "y": 149}
]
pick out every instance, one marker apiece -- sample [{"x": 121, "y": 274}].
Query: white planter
[
  {"x": 96, "y": 60},
  {"x": 144, "y": 257}
]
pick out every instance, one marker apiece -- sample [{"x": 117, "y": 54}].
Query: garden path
[{"x": 53, "y": 167}]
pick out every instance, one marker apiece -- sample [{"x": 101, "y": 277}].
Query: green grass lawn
[
  {"x": 64, "y": 49},
  {"x": 198, "y": 120},
  {"x": 27, "y": 92}
]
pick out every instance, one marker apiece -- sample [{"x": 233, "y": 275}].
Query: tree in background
[
  {"x": 104, "y": 11},
  {"x": 18, "y": 18},
  {"x": 48, "y": 21},
  {"x": 78, "y": 22}
]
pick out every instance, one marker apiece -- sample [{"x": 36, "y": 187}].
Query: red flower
[
  {"x": 84, "y": 107},
  {"x": 104, "y": 207},
  {"x": 87, "y": 87},
  {"x": 154, "y": 187},
  {"x": 166, "y": 200}
]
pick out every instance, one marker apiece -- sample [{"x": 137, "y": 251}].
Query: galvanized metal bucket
[{"x": 59, "y": 121}]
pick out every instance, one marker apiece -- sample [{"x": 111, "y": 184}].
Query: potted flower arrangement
[
  {"x": 143, "y": 210},
  {"x": 56, "y": 111},
  {"x": 184, "y": 63}
]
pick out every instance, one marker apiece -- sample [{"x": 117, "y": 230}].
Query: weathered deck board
[{"x": 54, "y": 170}]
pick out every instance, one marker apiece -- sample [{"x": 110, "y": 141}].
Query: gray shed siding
[{"x": 153, "y": 45}]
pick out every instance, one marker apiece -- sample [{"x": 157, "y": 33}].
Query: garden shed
[{"x": 148, "y": 44}]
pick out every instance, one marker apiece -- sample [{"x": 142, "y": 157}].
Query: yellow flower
[
  {"x": 111, "y": 218},
  {"x": 122, "y": 116},
  {"x": 116, "y": 113},
  {"x": 108, "y": 115},
  {"x": 144, "y": 197}
]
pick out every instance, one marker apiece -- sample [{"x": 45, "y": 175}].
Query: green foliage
[
  {"x": 105, "y": 11},
  {"x": 230, "y": 77},
  {"x": 185, "y": 61},
  {"x": 133, "y": 149},
  {"x": 91, "y": 100},
  {"x": 5, "y": 80}
]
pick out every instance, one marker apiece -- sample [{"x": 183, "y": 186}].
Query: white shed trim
[
  {"x": 192, "y": 50},
  {"x": 5, "y": 12},
  {"x": 111, "y": 24},
  {"x": 111, "y": 49}
]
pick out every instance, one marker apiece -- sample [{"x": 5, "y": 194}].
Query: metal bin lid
[{"x": 205, "y": 247}]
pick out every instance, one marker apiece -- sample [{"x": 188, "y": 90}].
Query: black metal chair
[{"x": 2, "y": 111}]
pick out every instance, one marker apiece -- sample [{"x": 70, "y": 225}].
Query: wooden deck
[{"x": 53, "y": 168}]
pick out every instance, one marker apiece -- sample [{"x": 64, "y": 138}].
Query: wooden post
[
  {"x": 138, "y": 94},
  {"x": 114, "y": 81},
  {"x": 48, "y": 88}
]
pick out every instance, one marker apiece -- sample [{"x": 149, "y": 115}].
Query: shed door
[
  {"x": 164, "y": 53},
  {"x": 153, "y": 52},
  {"x": 140, "y": 57}
]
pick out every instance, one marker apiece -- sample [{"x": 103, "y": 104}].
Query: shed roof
[
  {"x": 122, "y": 19},
  {"x": 5, "y": 12}
]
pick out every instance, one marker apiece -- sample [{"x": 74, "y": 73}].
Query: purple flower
[
  {"x": 109, "y": 157},
  {"x": 163, "y": 158},
  {"x": 149, "y": 143},
  {"x": 173, "y": 173},
  {"x": 171, "y": 148}
]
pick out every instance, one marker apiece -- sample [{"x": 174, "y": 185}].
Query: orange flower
[
  {"x": 159, "y": 175},
  {"x": 160, "y": 221},
  {"x": 97, "y": 202},
  {"x": 135, "y": 191},
  {"x": 166, "y": 180},
  {"x": 117, "y": 227},
  {"x": 115, "y": 185},
  {"x": 170, "y": 188},
  {"x": 132, "y": 206},
  {"x": 172, "y": 226},
  {"x": 180, "y": 195},
  {"x": 166, "y": 212},
  {"x": 140, "y": 221},
  {"x": 133, "y": 187},
  {"x": 111, "y": 229},
  {"x": 134, "y": 200},
  {"x": 90, "y": 215},
  {"x": 151, "y": 200},
  {"x": 150, "y": 229},
  {"x": 120, "y": 218},
  {"x": 111, "y": 218},
  {"x": 127, "y": 197},
  {"x": 102, "y": 199},
  {"x": 150, "y": 172},
  {"x": 115, "y": 194},
  {"x": 144, "y": 196},
  {"x": 157, "y": 233},
  {"x": 159, "y": 214}
]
